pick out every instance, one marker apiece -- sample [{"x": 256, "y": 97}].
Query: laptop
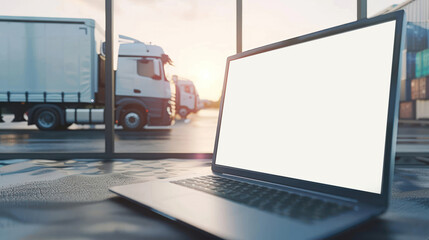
[{"x": 305, "y": 140}]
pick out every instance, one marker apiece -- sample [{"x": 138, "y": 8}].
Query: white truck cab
[
  {"x": 187, "y": 98},
  {"x": 141, "y": 80}
]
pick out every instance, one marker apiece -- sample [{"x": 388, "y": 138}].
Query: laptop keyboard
[{"x": 272, "y": 200}]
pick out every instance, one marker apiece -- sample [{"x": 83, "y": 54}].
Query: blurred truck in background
[
  {"x": 187, "y": 97},
  {"x": 53, "y": 69}
]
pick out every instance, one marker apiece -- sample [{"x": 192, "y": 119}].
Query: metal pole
[
  {"x": 361, "y": 9},
  {"x": 239, "y": 26},
  {"x": 110, "y": 83}
]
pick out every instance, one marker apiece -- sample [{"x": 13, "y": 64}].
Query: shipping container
[
  {"x": 422, "y": 63},
  {"x": 425, "y": 62},
  {"x": 423, "y": 88},
  {"x": 405, "y": 90},
  {"x": 417, "y": 28},
  {"x": 416, "y": 67},
  {"x": 407, "y": 110},
  {"x": 411, "y": 65},
  {"x": 415, "y": 94},
  {"x": 419, "y": 65},
  {"x": 417, "y": 37},
  {"x": 422, "y": 109}
]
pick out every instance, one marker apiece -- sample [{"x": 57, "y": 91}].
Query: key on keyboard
[{"x": 272, "y": 200}]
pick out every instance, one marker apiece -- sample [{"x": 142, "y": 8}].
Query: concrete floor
[{"x": 196, "y": 135}]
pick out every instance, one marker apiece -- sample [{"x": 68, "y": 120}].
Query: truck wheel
[
  {"x": 133, "y": 119},
  {"x": 183, "y": 112},
  {"x": 47, "y": 119}
]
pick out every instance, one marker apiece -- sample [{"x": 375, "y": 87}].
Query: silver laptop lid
[{"x": 317, "y": 111}]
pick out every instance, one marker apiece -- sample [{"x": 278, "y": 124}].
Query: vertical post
[
  {"x": 110, "y": 83},
  {"x": 361, "y": 9},
  {"x": 239, "y": 26}
]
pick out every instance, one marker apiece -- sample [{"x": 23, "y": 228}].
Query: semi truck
[
  {"x": 53, "y": 69},
  {"x": 187, "y": 97}
]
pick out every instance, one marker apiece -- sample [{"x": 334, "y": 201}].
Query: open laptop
[{"x": 305, "y": 140}]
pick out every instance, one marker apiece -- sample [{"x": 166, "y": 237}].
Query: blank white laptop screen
[{"x": 315, "y": 111}]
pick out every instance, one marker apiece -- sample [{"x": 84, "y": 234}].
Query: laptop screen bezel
[{"x": 392, "y": 118}]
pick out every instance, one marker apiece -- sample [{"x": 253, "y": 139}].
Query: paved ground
[
  {"x": 413, "y": 138},
  {"x": 195, "y": 134}
]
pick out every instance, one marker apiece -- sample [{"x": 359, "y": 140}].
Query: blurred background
[{"x": 171, "y": 55}]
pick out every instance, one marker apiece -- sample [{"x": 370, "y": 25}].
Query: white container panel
[
  {"x": 49, "y": 56},
  {"x": 35, "y": 97},
  {"x": 81, "y": 116},
  {"x": 3, "y": 97},
  {"x": 70, "y": 116},
  {"x": 97, "y": 116},
  {"x": 422, "y": 109}
]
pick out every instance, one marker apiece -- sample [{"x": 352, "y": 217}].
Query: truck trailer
[{"x": 53, "y": 69}]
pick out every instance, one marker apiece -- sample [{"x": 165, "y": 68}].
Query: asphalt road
[{"x": 193, "y": 135}]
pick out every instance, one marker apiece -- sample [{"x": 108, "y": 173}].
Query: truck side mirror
[{"x": 156, "y": 70}]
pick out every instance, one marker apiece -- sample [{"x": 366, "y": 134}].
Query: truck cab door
[
  {"x": 126, "y": 76},
  {"x": 137, "y": 77}
]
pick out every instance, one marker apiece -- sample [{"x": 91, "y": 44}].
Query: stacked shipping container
[
  {"x": 415, "y": 75},
  {"x": 415, "y": 66},
  {"x": 415, "y": 87}
]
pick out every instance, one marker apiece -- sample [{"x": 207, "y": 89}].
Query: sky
[{"x": 200, "y": 34}]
